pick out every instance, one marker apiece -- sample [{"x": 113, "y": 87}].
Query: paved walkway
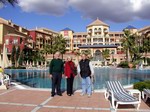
[{"x": 19, "y": 100}]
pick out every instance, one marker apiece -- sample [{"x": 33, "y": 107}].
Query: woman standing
[{"x": 69, "y": 67}]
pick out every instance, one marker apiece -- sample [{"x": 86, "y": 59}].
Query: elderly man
[
  {"x": 86, "y": 71},
  {"x": 56, "y": 70}
]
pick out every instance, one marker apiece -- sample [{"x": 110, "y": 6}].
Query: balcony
[
  {"x": 30, "y": 41},
  {"x": 88, "y": 36},
  {"x": 47, "y": 38},
  {"x": 105, "y": 31},
  {"x": 38, "y": 42},
  {"x": 90, "y": 31},
  {"x": 29, "y": 46},
  {"x": 107, "y": 36},
  {"x": 97, "y": 36},
  {"x": 67, "y": 37},
  {"x": 98, "y": 31}
]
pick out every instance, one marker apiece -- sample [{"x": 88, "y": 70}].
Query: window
[
  {"x": 111, "y": 35},
  {"x": 21, "y": 40},
  {"x": 7, "y": 41},
  {"x": 99, "y": 29},
  {"x": 84, "y": 35},
  {"x": 7, "y": 50},
  {"x": 15, "y": 41},
  {"x": 121, "y": 35},
  {"x": 116, "y": 34}
]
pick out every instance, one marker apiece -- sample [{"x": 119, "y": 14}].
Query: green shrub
[
  {"x": 141, "y": 85},
  {"x": 148, "y": 61},
  {"x": 123, "y": 64},
  {"x": 13, "y": 67}
]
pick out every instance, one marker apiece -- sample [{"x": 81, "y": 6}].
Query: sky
[{"x": 77, "y": 14}]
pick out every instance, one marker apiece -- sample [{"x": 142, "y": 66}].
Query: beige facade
[
  {"x": 1, "y": 33},
  {"x": 7, "y": 27},
  {"x": 97, "y": 34},
  {"x": 97, "y": 37},
  {"x": 68, "y": 35},
  {"x": 79, "y": 39}
]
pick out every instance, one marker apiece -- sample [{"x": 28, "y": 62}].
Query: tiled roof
[
  {"x": 144, "y": 29},
  {"x": 16, "y": 35},
  {"x": 66, "y": 29},
  {"x": 97, "y": 22},
  {"x": 130, "y": 27}
]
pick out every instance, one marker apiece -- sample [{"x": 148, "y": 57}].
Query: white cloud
[
  {"x": 51, "y": 7},
  {"x": 112, "y": 10}
]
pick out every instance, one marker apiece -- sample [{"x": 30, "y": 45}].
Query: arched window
[{"x": 98, "y": 55}]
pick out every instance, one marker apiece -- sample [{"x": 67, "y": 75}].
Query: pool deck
[{"x": 35, "y": 100}]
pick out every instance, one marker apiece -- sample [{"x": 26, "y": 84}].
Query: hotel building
[
  {"x": 97, "y": 38},
  {"x": 42, "y": 36},
  {"x": 12, "y": 34}
]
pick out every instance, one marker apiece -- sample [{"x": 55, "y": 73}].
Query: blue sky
[{"x": 77, "y": 14}]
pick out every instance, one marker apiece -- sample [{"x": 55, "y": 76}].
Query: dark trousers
[
  {"x": 70, "y": 85},
  {"x": 56, "y": 83}
]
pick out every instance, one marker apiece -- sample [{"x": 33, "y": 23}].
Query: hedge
[{"x": 141, "y": 85}]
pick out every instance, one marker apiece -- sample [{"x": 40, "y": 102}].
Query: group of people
[{"x": 59, "y": 69}]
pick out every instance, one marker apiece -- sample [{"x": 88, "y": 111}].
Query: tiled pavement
[{"x": 17, "y": 100}]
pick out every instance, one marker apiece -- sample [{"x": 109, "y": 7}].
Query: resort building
[
  {"x": 42, "y": 36},
  {"x": 95, "y": 40},
  {"x": 98, "y": 37},
  {"x": 12, "y": 34}
]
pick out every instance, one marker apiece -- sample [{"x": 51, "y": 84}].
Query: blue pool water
[{"x": 40, "y": 79}]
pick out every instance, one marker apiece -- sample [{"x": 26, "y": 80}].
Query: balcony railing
[
  {"x": 90, "y": 31},
  {"x": 105, "y": 31},
  {"x": 97, "y": 30},
  {"x": 98, "y": 36}
]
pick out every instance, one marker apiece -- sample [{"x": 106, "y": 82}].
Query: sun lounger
[
  {"x": 4, "y": 80},
  {"x": 119, "y": 95},
  {"x": 146, "y": 94}
]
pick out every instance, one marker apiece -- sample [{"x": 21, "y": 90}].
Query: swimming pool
[{"x": 39, "y": 78}]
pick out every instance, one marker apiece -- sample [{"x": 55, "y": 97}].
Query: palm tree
[
  {"x": 12, "y": 2},
  {"x": 21, "y": 58},
  {"x": 77, "y": 54},
  {"x": 86, "y": 52},
  {"x": 106, "y": 54},
  {"x": 128, "y": 43},
  {"x": 47, "y": 49},
  {"x": 59, "y": 45},
  {"x": 146, "y": 43},
  {"x": 15, "y": 55}
]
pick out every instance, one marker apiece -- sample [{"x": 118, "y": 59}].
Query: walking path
[{"x": 31, "y": 100}]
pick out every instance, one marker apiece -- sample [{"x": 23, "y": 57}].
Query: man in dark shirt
[
  {"x": 85, "y": 70},
  {"x": 56, "y": 70}
]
